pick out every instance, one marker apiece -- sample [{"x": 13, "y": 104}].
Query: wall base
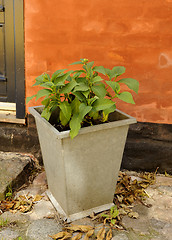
[
  {"x": 148, "y": 146},
  {"x": 20, "y": 138}
]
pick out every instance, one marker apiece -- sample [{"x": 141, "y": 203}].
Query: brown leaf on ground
[
  {"x": 16, "y": 205},
  {"x": 23, "y": 203},
  {"x": 6, "y": 205},
  {"x": 37, "y": 198},
  {"x": 89, "y": 234},
  {"x": 77, "y": 237},
  {"x": 101, "y": 234},
  {"x": 109, "y": 235},
  {"x": 82, "y": 228},
  {"x": 128, "y": 191},
  {"x": 61, "y": 235}
]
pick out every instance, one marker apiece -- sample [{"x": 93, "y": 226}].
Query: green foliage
[
  {"x": 3, "y": 222},
  {"x": 111, "y": 217},
  {"x": 82, "y": 96},
  {"x": 9, "y": 193}
]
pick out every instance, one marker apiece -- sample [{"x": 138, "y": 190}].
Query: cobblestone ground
[{"x": 154, "y": 223}]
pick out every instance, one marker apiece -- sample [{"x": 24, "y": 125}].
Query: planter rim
[{"x": 65, "y": 134}]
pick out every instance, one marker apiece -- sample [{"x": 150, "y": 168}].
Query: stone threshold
[{"x": 8, "y": 113}]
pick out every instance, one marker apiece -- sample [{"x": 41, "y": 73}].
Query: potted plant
[{"x": 82, "y": 135}]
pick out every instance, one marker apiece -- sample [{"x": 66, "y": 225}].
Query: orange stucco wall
[{"x": 134, "y": 34}]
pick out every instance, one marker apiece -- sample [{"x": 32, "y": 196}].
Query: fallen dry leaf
[
  {"x": 77, "y": 237},
  {"x": 61, "y": 235},
  {"x": 23, "y": 203},
  {"x": 128, "y": 191},
  {"x": 58, "y": 235},
  {"x": 69, "y": 235},
  {"x": 101, "y": 234},
  {"x": 89, "y": 234},
  {"x": 37, "y": 198},
  {"x": 109, "y": 235},
  {"x": 82, "y": 228},
  {"x": 6, "y": 205}
]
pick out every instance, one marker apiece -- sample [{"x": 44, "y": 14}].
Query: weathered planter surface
[{"x": 82, "y": 172}]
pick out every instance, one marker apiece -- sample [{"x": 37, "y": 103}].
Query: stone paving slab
[
  {"x": 154, "y": 223},
  {"x": 11, "y": 166}
]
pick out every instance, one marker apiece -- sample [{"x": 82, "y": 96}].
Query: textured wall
[{"x": 136, "y": 34}]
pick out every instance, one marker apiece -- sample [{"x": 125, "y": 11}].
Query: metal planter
[{"x": 82, "y": 173}]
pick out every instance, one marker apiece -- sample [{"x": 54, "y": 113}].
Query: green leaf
[
  {"x": 69, "y": 78},
  {"x": 61, "y": 79},
  {"x": 75, "y": 125},
  {"x": 96, "y": 79},
  {"x": 80, "y": 96},
  {"x": 114, "y": 85},
  {"x": 78, "y": 62},
  {"x": 41, "y": 79},
  {"x": 66, "y": 109},
  {"x": 131, "y": 83},
  {"x": 47, "y": 84},
  {"x": 86, "y": 93},
  {"x": 108, "y": 72},
  {"x": 68, "y": 87},
  {"x": 42, "y": 93},
  {"x": 114, "y": 212},
  {"x": 81, "y": 87},
  {"x": 110, "y": 109},
  {"x": 117, "y": 71},
  {"x": 91, "y": 100},
  {"x": 94, "y": 114},
  {"x": 81, "y": 79},
  {"x": 99, "y": 69},
  {"x": 83, "y": 110},
  {"x": 29, "y": 98},
  {"x": 37, "y": 83},
  {"x": 75, "y": 105},
  {"x": 90, "y": 64},
  {"x": 63, "y": 119},
  {"x": 53, "y": 105},
  {"x": 99, "y": 90},
  {"x": 77, "y": 73},
  {"x": 46, "y": 101},
  {"x": 46, "y": 77},
  {"x": 113, "y": 221},
  {"x": 102, "y": 104},
  {"x": 126, "y": 97},
  {"x": 57, "y": 73},
  {"x": 46, "y": 114}
]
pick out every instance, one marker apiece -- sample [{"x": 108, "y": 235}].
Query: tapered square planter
[{"x": 82, "y": 173}]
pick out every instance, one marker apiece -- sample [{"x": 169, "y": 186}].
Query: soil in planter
[
  {"x": 62, "y": 128},
  {"x": 115, "y": 116}
]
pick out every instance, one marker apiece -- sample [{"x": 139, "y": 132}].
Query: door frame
[{"x": 15, "y": 61}]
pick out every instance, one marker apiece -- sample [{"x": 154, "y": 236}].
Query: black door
[
  {"x": 12, "y": 87},
  {"x": 7, "y": 73}
]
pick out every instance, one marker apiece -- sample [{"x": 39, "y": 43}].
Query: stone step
[{"x": 13, "y": 168}]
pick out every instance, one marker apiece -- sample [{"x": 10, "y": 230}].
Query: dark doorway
[{"x": 12, "y": 83}]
